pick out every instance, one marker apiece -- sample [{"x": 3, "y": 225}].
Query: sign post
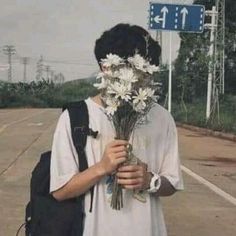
[
  {"x": 212, "y": 28},
  {"x": 172, "y": 17},
  {"x": 170, "y": 74}
]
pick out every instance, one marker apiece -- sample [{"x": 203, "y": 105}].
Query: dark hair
[{"x": 124, "y": 40}]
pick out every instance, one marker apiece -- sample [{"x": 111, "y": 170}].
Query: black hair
[{"x": 125, "y": 40}]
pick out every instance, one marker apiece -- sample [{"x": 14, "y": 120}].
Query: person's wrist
[
  {"x": 100, "y": 169},
  {"x": 149, "y": 178}
]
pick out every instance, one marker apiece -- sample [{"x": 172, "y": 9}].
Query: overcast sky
[{"x": 65, "y": 31}]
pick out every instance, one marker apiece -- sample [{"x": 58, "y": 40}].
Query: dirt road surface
[{"x": 206, "y": 207}]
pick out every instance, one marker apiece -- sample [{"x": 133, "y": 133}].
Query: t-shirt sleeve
[
  {"x": 171, "y": 163},
  {"x": 64, "y": 158}
]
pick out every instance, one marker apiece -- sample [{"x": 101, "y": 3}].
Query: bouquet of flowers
[{"x": 128, "y": 93}]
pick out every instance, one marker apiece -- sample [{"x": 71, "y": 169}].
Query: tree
[
  {"x": 191, "y": 66},
  {"x": 230, "y": 47}
]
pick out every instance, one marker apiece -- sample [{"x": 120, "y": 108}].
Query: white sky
[{"x": 65, "y": 30}]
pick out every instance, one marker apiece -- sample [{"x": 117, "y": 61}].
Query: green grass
[{"x": 196, "y": 115}]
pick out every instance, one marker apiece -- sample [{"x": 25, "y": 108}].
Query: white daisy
[
  {"x": 151, "y": 94},
  {"x": 141, "y": 64},
  {"x": 111, "y": 59},
  {"x": 141, "y": 96},
  {"x": 127, "y": 74},
  {"x": 139, "y": 107},
  {"x": 112, "y": 105},
  {"x": 120, "y": 90},
  {"x": 151, "y": 68},
  {"x": 138, "y": 61}
]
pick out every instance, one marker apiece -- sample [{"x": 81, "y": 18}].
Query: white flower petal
[
  {"x": 120, "y": 90},
  {"x": 127, "y": 74},
  {"x": 138, "y": 61},
  {"x": 111, "y": 59}
]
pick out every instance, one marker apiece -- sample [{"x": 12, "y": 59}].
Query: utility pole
[
  {"x": 216, "y": 75},
  {"x": 220, "y": 47},
  {"x": 212, "y": 26},
  {"x": 52, "y": 76},
  {"x": 61, "y": 78},
  {"x": 47, "y": 69},
  {"x": 39, "y": 71},
  {"x": 9, "y": 50},
  {"x": 25, "y": 61}
]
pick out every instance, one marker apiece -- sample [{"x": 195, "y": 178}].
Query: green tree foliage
[
  {"x": 43, "y": 93},
  {"x": 191, "y": 73},
  {"x": 230, "y": 47},
  {"x": 191, "y": 66}
]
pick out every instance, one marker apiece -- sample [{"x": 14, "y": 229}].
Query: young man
[{"x": 155, "y": 143}]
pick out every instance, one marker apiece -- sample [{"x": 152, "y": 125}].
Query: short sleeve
[
  {"x": 170, "y": 167},
  {"x": 64, "y": 159}
]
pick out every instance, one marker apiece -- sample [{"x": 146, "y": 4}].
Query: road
[{"x": 206, "y": 207}]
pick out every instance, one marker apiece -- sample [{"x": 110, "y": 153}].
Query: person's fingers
[
  {"x": 120, "y": 154},
  {"x": 119, "y": 148},
  {"x": 136, "y": 181},
  {"x": 118, "y": 142},
  {"x": 120, "y": 160},
  {"x": 129, "y": 175},
  {"x": 144, "y": 165},
  {"x": 129, "y": 168}
]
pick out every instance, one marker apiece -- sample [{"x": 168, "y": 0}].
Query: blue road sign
[{"x": 187, "y": 18}]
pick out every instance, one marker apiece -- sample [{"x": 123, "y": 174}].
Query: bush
[{"x": 42, "y": 93}]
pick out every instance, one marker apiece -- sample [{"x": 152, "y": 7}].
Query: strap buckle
[{"x": 86, "y": 131}]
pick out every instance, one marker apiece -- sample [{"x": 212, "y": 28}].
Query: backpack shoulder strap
[{"x": 79, "y": 120}]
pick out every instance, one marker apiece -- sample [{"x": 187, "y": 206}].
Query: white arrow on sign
[
  {"x": 158, "y": 19},
  {"x": 184, "y": 12}
]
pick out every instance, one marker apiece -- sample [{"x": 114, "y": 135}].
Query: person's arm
[
  {"x": 115, "y": 153},
  {"x": 166, "y": 189}
]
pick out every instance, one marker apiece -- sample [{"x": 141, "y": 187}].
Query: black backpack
[{"x": 45, "y": 216}]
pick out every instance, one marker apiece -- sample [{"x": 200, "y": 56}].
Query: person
[{"x": 154, "y": 143}]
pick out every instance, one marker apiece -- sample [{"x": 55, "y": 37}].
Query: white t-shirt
[{"x": 155, "y": 143}]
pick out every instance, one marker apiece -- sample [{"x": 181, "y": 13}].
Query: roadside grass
[{"x": 196, "y": 114}]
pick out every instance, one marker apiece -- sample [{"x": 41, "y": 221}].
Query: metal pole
[
  {"x": 25, "y": 62},
  {"x": 159, "y": 39},
  {"x": 10, "y": 68},
  {"x": 9, "y": 50},
  {"x": 210, "y": 69},
  {"x": 170, "y": 74}
]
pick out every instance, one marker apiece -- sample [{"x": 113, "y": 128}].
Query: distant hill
[{"x": 89, "y": 80}]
